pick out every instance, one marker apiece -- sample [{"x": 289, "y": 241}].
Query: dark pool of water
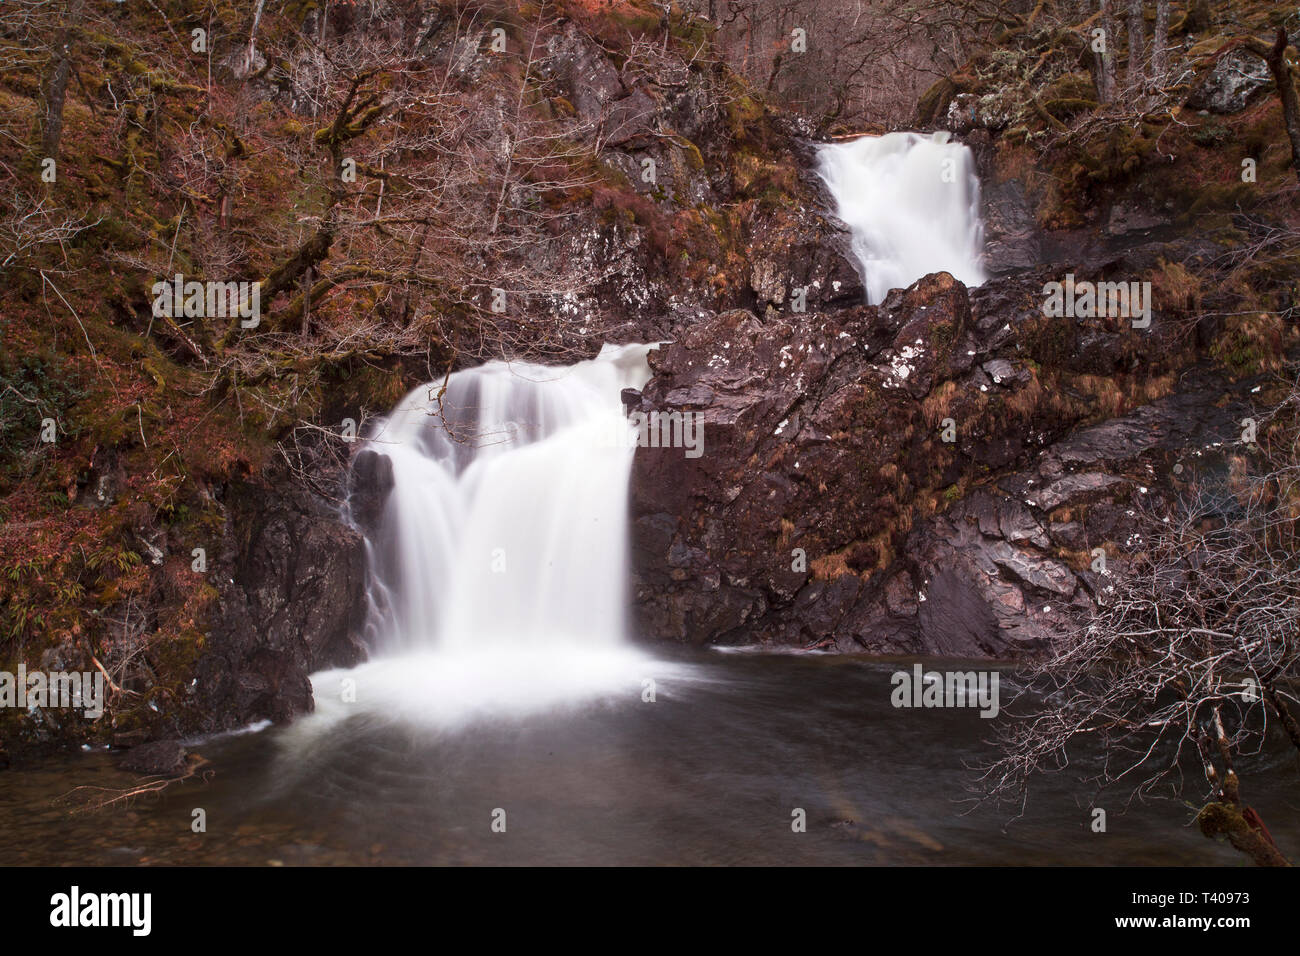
[{"x": 709, "y": 773}]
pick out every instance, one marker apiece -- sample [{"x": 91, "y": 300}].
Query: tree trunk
[
  {"x": 1275, "y": 57},
  {"x": 251, "y": 52},
  {"x": 1198, "y": 17},
  {"x": 56, "y": 89},
  {"x": 1160, "y": 44},
  {"x": 1136, "y": 42},
  {"x": 1106, "y": 59},
  {"x": 1283, "y": 714}
]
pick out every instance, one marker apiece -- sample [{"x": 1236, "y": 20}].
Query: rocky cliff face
[
  {"x": 828, "y": 508},
  {"x": 289, "y": 581},
  {"x": 295, "y": 604},
  {"x": 933, "y": 475}
]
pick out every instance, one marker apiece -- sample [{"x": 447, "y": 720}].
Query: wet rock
[
  {"x": 370, "y": 482},
  {"x": 900, "y": 595},
  {"x": 1128, "y": 217},
  {"x": 926, "y": 349},
  {"x": 291, "y": 603},
  {"x": 1011, "y": 235},
  {"x": 161, "y": 758},
  {"x": 1073, "y": 489},
  {"x": 1016, "y": 522},
  {"x": 782, "y": 508},
  {"x": 955, "y": 620},
  {"x": 1042, "y": 573},
  {"x": 1069, "y": 534},
  {"x": 801, "y": 248},
  {"x": 1005, "y": 373},
  {"x": 800, "y": 522}
]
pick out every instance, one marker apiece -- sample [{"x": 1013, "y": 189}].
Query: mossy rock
[
  {"x": 1070, "y": 86},
  {"x": 934, "y": 101},
  {"x": 743, "y": 113},
  {"x": 694, "y": 158},
  {"x": 1207, "y": 47},
  {"x": 1116, "y": 156},
  {"x": 1066, "y": 107}
]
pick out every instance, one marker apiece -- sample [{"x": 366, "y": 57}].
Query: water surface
[{"x": 708, "y": 773}]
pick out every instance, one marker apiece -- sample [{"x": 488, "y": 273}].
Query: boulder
[
  {"x": 1236, "y": 78},
  {"x": 161, "y": 758},
  {"x": 827, "y": 508}
]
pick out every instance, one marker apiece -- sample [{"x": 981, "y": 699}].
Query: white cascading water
[
  {"x": 911, "y": 202},
  {"x": 499, "y": 563}
]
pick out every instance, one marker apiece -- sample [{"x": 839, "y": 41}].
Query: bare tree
[
  {"x": 1192, "y": 655},
  {"x": 1136, "y": 42},
  {"x": 854, "y": 62},
  {"x": 1160, "y": 45},
  {"x": 441, "y": 176},
  {"x": 32, "y": 224},
  {"x": 1105, "y": 58},
  {"x": 1275, "y": 57}
]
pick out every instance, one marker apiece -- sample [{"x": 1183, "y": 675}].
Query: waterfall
[
  {"x": 507, "y": 519},
  {"x": 911, "y": 202},
  {"x": 498, "y": 563}
]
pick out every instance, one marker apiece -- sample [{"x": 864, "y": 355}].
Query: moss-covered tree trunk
[
  {"x": 56, "y": 87},
  {"x": 1105, "y": 57},
  {"x": 1136, "y": 42},
  {"x": 1275, "y": 57},
  {"x": 1160, "y": 44}
]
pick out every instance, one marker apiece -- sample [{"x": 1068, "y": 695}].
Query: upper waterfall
[{"x": 912, "y": 203}]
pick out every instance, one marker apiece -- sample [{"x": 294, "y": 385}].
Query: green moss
[
  {"x": 743, "y": 114},
  {"x": 934, "y": 101},
  {"x": 694, "y": 159},
  {"x": 1252, "y": 344},
  {"x": 1070, "y": 86},
  {"x": 1211, "y": 134},
  {"x": 1067, "y": 107}
]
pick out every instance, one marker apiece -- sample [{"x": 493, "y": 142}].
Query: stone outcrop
[
  {"x": 293, "y": 603},
  {"x": 827, "y": 508},
  {"x": 161, "y": 758},
  {"x": 1230, "y": 85}
]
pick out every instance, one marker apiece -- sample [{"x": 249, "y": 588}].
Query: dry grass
[{"x": 938, "y": 404}]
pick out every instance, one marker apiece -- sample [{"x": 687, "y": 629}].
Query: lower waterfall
[{"x": 499, "y": 561}]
